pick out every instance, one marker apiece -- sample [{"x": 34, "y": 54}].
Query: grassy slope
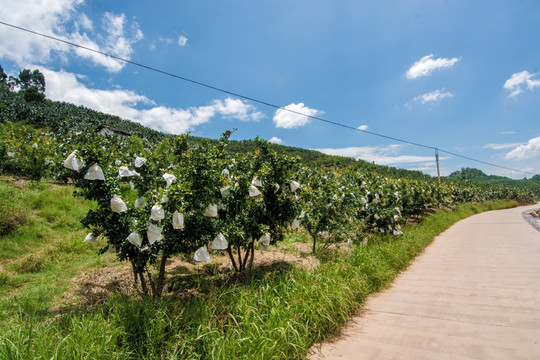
[
  {"x": 40, "y": 257},
  {"x": 274, "y": 314}
]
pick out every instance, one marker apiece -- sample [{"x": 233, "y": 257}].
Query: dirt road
[{"x": 473, "y": 294}]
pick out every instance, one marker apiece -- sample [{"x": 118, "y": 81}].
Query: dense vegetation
[
  {"x": 478, "y": 176},
  {"x": 151, "y": 197},
  {"x": 275, "y": 312}
]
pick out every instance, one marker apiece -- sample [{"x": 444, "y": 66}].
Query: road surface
[{"x": 473, "y": 294}]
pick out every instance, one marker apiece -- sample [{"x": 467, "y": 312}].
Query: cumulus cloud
[
  {"x": 276, "y": 140},
  {"x": 382, "y": 155},
  {"x": 525, "y": 151},
  {"x": 426, "y": 65},
  {"x": 430, "y": 97},
  {"x": 362, "y": 127},
  {"x": 294, "y": 115},
  {"x": 521, "y": 81},
  {"x": 182, "y": 40},
  {"x": 237, "y": 109},
  {"x": 115, "y": 36},
  {"x": 129, "y": 105}
]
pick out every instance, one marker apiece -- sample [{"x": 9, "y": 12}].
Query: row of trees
[{"x": 155, "y": 201}]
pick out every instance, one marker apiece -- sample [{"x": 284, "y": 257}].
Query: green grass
[
  {"x": 275, "y": 313},
  {"x": 39, "y": 258}
]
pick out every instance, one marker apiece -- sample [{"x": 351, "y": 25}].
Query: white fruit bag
[
  {"x": 154, "y": 233},
  {"x": 94, "y": 173},
  {"x": 225, "y": 191},
  {"x": 123, "y": 171},
  {"x": 220, "y": 243},
  {"x": 211, "y": 211},
  {"x": 202, "y": 255},
  {"x": 139, "y": 161},
  {"x": 72, "y": 162},
  {"x": 256, "y": 182},
  {"x": 169, "y": 178},
  {"x": 90, "y": 238},
  {"x": 135, "y": 238},
  {"x": 253, "y": 191},
  {"x": 117, "y": 204},
  {"x": 178, "y": 220},
  {"x": 139, "y": 203},
  {"x": 264, "y": 241},
  {"x": 157, "y": 213}
]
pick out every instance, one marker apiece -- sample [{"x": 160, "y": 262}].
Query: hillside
[
  {"x": 475, "y": 175},
  {"x": 64, "y": 118}
]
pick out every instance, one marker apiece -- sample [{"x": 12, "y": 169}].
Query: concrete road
[{"x": 473, "y": 294}]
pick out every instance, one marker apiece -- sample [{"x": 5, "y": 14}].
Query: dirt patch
[{"x": 185, "y": 278}]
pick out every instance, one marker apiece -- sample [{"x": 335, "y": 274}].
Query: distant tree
[
  {"x": 467, "y": 174},
  {"x": 29, "y": 78}
]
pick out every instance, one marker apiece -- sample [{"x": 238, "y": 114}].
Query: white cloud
[
  {"x": 362, "y": 127},
  {"x": 521, "y": 81},
  {"x": 525, "y": 151},
  {"x": 427, "y": 64},
  {"x": 433, "y": 96},
  {"x": 387, "y": 155},
  {"x": 501, "y": 146},
  {"x": 507, "y": 132},
  {"x": 54, "y": 18},
  {"x": 237, "y": 109},
  {"x": 182, "y": 40},
  {"x": 127, "y": 104},
  {"x": 84, "y": 23},
  {"x": 276, "y": 140},
  {"x": 297, "y": 116}
]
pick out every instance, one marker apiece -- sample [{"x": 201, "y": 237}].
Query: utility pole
[{"x": 437, "y": 160}]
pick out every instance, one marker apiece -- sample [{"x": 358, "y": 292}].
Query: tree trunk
[
  {"x": 241, "y": 266},
  {"x": 231, "y": 256},
  {"x": 143, "y": 283},
  {"x": 161, "y": 276},
  {"x": 151, "y": 281}
]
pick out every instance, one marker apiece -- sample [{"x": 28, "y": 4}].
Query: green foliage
[
  {"x": 28, "y": 79},
  {"x": 531, "y": 185}
]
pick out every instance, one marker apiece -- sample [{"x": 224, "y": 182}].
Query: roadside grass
[{"x": 273, "y": 313}]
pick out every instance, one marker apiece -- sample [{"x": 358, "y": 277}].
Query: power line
[{"x": 254, "y": 99}]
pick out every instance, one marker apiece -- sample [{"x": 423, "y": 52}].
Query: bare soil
[{"x": 184, "y": 276}]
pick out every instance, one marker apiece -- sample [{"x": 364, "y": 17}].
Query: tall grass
[{"x": 277, "y": 313}]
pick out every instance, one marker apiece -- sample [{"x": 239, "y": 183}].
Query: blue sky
[{"x": 463, "y": 76}]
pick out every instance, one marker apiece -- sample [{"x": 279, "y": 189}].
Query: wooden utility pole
[{"x": 437, "y": 160}]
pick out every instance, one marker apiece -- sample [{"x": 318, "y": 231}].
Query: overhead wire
[{"x": 249, "y": 98}]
